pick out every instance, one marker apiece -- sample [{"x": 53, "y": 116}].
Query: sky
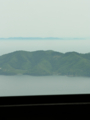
[
  {"x": 44, "y": 18},
  {"x": 63, "y": 46}
]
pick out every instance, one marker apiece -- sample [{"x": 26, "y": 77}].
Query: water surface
[{"x": 20, "y": 85}]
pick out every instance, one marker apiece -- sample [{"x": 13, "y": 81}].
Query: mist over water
[{"x": 81, "y": 46}]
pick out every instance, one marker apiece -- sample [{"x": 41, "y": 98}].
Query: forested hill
[{"x": 41, "y": 63}]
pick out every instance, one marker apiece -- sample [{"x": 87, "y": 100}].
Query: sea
[{"x": 25, "y": 85}]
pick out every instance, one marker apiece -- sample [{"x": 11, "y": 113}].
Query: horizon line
[{"x": 46, "y": 38}]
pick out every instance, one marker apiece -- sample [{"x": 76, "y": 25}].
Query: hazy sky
[
  {"x": 81, "y": 46},
  {"x": 44, "y": 18}
]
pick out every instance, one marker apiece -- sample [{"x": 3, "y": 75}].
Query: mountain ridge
[{"x": 40, "y": 63}]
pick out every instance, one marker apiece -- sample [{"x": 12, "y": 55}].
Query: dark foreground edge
[{"x": 45, "y": 106}]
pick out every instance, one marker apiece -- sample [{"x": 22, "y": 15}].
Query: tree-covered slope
[{"x": 45, "y": 63}]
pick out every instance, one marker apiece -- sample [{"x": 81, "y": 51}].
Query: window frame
[{"x": 47, "y": 106}]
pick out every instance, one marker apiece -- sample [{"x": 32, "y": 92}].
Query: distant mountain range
[
  {"x": 41, "y": 63},
  {"x": 36, "y": 38}
]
